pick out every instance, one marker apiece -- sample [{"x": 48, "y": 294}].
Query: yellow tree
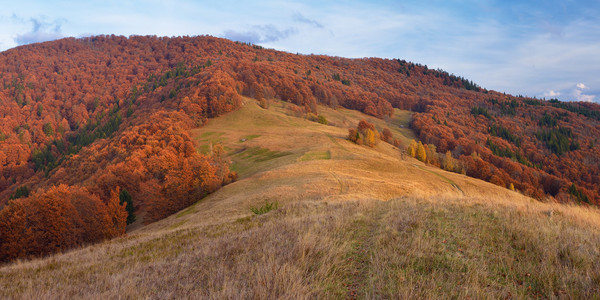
[
  {"x": 431, "y": 153},
  {"x": 412, "y": 148},
  {"x": 370, "y": 138},
  {"x": 449, "y": 162},
  {"x": 421, "y": 152}
]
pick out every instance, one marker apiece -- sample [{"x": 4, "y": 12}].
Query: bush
[
  {"x": 323, "y": 120},
  {"x": 312, "y": 117},
  {"x": 387, "y": 136},
  {"x": 267, "y": 207}
]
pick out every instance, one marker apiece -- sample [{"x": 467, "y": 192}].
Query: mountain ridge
[{"x": 108, "y": 112}]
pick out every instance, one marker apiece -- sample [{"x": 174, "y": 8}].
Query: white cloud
[
  {"x": 551, "y": 93},
  {"x": 260, "y": 34},
  {"x": 541, "y": 62},
  {"x": 42, "y": 31},
  {"x": 580, "y": 96}
]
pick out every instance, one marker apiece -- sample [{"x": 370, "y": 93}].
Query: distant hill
[{"x": 107, "y": 114}]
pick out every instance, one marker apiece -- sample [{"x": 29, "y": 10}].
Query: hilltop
[
  {"x": 90, "y": 123},
  {"x": 346, "y": 221}
]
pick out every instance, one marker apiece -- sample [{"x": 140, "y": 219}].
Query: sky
[{"x": 545, "y": 48}]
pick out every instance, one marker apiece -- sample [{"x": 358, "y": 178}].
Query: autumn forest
[{"x": 94, "y": 132}]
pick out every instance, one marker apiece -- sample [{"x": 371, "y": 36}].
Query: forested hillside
[{"x": 108, "y": 117}]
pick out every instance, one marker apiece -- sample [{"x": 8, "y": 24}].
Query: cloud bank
[
  {"x": 300, "y": 18},
  {"x": 41, "y": 32},
  {"x": 260, "y": 34},
  {"x": 580, "y": 96}
]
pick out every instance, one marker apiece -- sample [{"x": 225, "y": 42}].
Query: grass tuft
[{"x": 267, "y": 207}]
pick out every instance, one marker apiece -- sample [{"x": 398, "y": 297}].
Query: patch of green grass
[
  {"x": 204, "y": 149},
  {"x": 316, "y": 155},
  {"x": 253, "y": 152},
  {"x": 205, "y": 139},
  {"x": 210, "y": 134},
  {"x": 267, "y": 207},
  {"x": 272, "y": 155},
  {"x": 259, "y": 154},
  {"x": 248, "y": 137},
  {"x": 246, "y": 160},
  {"x": 401, "y": 118},
  {"x": 237, "y": 167}
]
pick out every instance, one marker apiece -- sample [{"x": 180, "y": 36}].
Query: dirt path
[
  {"x": 343, "y": 185},
  {"x": 448, "y": 180}
]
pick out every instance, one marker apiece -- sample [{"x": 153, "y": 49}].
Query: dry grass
[
  {"x": 351, "y": 222},
  {"x": 430, "y": 249}
]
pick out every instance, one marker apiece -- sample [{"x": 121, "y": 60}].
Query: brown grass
[{"x": 361, "y": 224}]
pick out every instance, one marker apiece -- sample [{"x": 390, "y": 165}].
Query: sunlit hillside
[
  {"x": 96, "y": 132},
  {"x": 314, "y": 215}
]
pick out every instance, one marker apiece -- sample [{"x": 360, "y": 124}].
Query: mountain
[
  {"x": 314, "y": 215},
  {"x": 89, "y": 123}
]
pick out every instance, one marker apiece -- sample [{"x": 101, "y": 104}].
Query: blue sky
[{"x": 540, "y": 48}]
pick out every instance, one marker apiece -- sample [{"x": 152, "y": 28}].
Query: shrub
[
  {"x": 387, "y": 136},
  {"x": 354, "y": 136},
  {"x": 312, "y": 117},
  {"x": 267, "y": 207},
  {"x": 323, "y": 120}
]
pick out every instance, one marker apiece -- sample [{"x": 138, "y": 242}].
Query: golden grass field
[{"x": 350, "y": 222}]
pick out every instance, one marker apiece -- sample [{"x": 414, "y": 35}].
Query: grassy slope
[{"x": 352, "y": 222}]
